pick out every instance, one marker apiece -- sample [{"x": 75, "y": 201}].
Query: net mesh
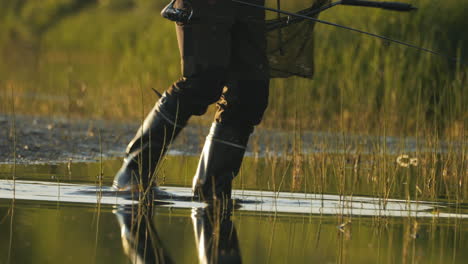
[{"x": 290, "y": 43}]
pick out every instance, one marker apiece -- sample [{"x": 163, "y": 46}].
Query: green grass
[
  {"x": 94, "y": 59},
  {"x": 100, "y": 61}
]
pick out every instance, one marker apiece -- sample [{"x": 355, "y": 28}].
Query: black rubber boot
[
  {"x": 220, "y": 161},
  {"x": 160, "y": 128}
]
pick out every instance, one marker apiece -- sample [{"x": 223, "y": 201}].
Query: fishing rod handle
[{"x": 395, "y": 6}]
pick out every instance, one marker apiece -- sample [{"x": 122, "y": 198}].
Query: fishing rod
[
  {"x": 286, "y": 21},
  {"x": 395, "y": 6},
  {"x": 185, "y": 15}
]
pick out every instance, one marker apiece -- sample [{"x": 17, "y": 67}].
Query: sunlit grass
[
  {"x": 102, "y": 61},
  {"x": 100, "y": 57}
]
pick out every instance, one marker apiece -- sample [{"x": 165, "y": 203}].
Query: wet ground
[
  {"x": 45, "y": 140},
  {"x": 35, "y": 140}
]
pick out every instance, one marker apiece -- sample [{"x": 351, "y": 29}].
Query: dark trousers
[{"x": 223, "y": 60}]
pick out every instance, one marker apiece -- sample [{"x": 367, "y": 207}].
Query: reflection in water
[
  {"x": 40, "y": 232},
  {"x": 140, "y": 240},
  {"x": 215, "y": 235}
]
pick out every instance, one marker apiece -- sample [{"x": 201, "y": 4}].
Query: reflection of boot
[
  {"x": 215, "y": 234},
  {"x": 220, "y": 161},
  {"x": 140, "y": 241},
  {"x": 159, "y": 129}
]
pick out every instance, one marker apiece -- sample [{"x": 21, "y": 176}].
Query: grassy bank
[{"x": 99, "y": 59}]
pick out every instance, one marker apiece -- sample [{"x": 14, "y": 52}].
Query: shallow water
[
  {"x": 53, "y": 233},
  {"x": 57, "y": 231}
]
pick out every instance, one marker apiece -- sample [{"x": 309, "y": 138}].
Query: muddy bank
[{"x": 28, "y": 139}]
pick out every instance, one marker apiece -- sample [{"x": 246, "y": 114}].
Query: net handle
[
  {"x": 395, "y": 6},
  {"x": 286, "y": 21}
]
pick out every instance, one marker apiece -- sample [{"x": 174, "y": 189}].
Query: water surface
[{"x": 53, "y": 232}]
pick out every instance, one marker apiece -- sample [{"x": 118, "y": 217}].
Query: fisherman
[{"x": 223, "y": 60}]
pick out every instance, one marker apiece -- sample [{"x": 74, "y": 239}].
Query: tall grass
[
  {"x": 100, "y": 50},
  {"x": 93, "y": 60}
]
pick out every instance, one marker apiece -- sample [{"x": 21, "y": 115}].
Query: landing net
[{"x": 290, "y": 40}]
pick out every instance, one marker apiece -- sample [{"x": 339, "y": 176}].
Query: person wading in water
[{"x": 223, "y": 54}]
